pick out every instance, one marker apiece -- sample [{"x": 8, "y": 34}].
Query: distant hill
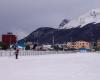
[{"x": 44, "y": 35}]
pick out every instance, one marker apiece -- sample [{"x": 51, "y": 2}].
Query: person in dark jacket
[{"x": 16, "y": 53}]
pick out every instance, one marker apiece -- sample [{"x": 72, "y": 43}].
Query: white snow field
[{"x": 78, "y": 66}]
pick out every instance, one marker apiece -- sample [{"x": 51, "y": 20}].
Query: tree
[{"x": 27, "y": 47}]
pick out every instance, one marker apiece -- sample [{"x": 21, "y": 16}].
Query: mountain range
[{"x": 86, "y": 27}]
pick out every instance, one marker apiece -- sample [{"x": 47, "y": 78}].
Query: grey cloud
[{"x": 24, "y": 16}]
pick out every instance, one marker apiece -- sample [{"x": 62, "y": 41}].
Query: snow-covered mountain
[
  {"x": 86, "y": 27},
  {"x": 92, "y": 16},
  {"x": 63, "y": 23}
]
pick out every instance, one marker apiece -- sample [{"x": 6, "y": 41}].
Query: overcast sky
[{"x": 24, "y": 16}]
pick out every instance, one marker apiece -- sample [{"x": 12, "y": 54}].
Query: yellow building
[
  {"x": 82, "y": 44},
  {"x": 79, "y": 44},
  {"x": 98, "y": 44}
]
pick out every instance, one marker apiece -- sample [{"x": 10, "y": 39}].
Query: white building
[{"x": 46, "y": 47}]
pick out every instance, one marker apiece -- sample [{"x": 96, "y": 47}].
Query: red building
[{"x": 9, "y": 39}]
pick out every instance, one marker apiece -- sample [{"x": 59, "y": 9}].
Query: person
[{"x": 16, "y": 53}]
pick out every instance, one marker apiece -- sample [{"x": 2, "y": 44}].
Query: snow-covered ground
[{"x": 78, "y": 66}]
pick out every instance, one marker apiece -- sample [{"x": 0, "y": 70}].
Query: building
[
  {"x": 78, "y": 45},
  {"x": 29, "y": 45},
  {"x": 70, "y": 45},
  {"x": 82, "y": 44},
  {"x": 47, "y": 47},
  {"x": 98, "y": 44},
  {"x": 9, "y": 39}
]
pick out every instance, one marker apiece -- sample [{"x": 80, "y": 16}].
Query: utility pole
[
  {"x": 71, "y": 39},
  {"x": 16, "y": 44},
  {"x": 10, "y": 44},
  {"x": 10, "y": 41},
  {"x": 53, "y": 39},
  {"x": 37, "y": 38}
]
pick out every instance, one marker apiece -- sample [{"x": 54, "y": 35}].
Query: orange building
[
  {"x": 98, "y": 44},
  {"x": 82, "y": 44},
  {"x": 79, "y": 44}
]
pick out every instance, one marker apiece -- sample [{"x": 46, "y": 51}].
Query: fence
[{"x": 32, "y": 53}]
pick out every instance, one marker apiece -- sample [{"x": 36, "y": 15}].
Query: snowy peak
[
  {"x": 63, "y": 23},
  {"x": 92, "y": 16}
]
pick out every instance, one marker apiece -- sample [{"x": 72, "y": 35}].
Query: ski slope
[{"x": 78, "y": 66}]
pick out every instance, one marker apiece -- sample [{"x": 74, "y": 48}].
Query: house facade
[{"x": 78, "y": 45}]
